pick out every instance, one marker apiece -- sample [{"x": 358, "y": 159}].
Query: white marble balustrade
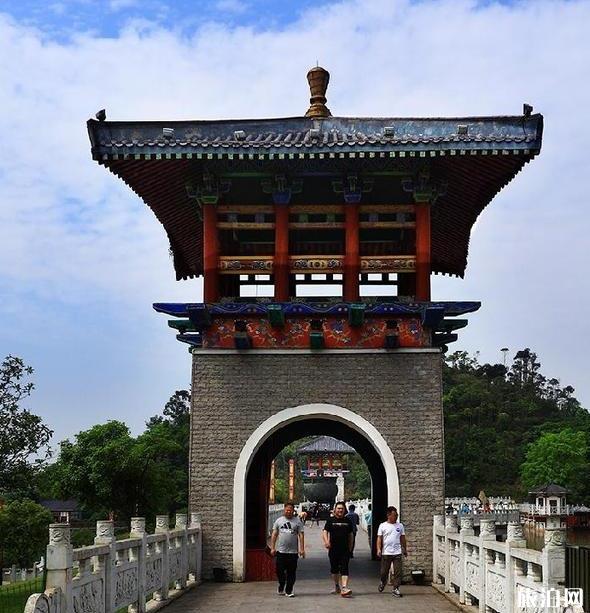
[
  {"x": 495, "y": 576},
  {"x": 141, "y": 572}
]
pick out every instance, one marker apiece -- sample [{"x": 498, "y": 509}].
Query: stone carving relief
[
  {"x": 59, "y": 534},
  {"x": 515, "y": 531},
  {"x": 181, "y": 520},
  {"x": 451, "y": 522},
  {"x": 472, "y": 579},
  {"x": 126, "y": 590},
  {"x": 162, "y": 522},
  {"x": 138, "y": 525},
  {"x": 487, "y": 529},
  {"x": 174, "y": 565},
  {"x": 467, "y": 522},
  {"x": 153, "y": 575},
  {"x": 37, "y": 603},
  {"x": 89, "y": 598},
  {"x": 495, "y": 592},
  {"x": 440, "y": 566},
  {"x": 456, "y": 570},
  {"x": 105, "y": 529},
  {"x": 554, "y": 537},
  {"x": 536, "y": 600}
]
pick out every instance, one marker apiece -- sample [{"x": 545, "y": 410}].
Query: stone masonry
[{"x": 400, "y": 393}]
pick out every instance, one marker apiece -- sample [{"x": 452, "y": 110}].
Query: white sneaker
[
  {"x": 280, "y": 591},
  {"x": 336, "y": 590},
  {"x": 291, "y": 595}
]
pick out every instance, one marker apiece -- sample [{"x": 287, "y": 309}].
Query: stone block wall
[{"x": 400, "y": 393}]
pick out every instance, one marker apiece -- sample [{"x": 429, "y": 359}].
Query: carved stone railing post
[
  {"x": 59, "y": 563},
  {"x": 487, "y": 532},
  {"x": 105, "y": 535},
  {"x": 163, "y": 527},
  {"x": 514, "y": 539},
  {"x": 181, "y": 523},
  {"x": 450, "y": 528},
  {"x": 466, "y": 530},
  {"x": 195, "y": 522},
  {"x": 138, "y": 531},
  {"x": 554, "y": 554},
  {"x": 439, "y": 522}
]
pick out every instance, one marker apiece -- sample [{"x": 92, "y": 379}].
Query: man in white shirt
[{"x": 391, "y": 544}]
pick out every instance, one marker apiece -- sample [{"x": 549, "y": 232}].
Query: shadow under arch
[{"x": 252, "y": 474}]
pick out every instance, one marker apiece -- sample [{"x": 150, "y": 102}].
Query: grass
[{"x": 13, "y": 596}]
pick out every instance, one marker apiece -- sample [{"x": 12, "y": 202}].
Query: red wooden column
[
  {"x": 423, "y": 251},
  {"x": 281, "y": 259},
  {"x": 352, "y": 261},
  {"x": 210, "y": 254}
]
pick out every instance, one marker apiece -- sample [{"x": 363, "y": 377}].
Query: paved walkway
[{"x": 312, "y": 590}]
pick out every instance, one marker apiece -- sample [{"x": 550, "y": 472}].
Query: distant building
[{"x": 64, "y": 511}]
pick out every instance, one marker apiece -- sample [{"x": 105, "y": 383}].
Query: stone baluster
[
  {"x": 105, "y": 535},
  {"x": 514, "y": 539},
  {"x": 195, "y": 522},
  {"x": 487, "y": 532},
  {"x": 59, "y": 563},
  {"x": 554, "y": 554},
  {"x": 466, "y": 530},
  {"x": 438, "y": 522},
  {"x": 138, "y": 531},
  {"x": 450, "y": 528},
  {"x": 163, "y": 527},
  {"x": 181, "y": 523}
]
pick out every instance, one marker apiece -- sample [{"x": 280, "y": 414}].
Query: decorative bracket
[
  {"x": 352, "y": 187},
  {"x": 208, "y": 190},
  {"x": 423, "y": 189},
  {"x": 280, "y": 188}
]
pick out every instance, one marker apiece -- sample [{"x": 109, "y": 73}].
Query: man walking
[
  {"x": 391, "y": 544},
  {"x": 355, "y": 520},
  {"x": 338, "y": 539},
  {"x": 287, "y": 543}
]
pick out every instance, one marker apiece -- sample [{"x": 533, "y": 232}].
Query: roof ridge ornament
[{"x": 318, "y": 79}]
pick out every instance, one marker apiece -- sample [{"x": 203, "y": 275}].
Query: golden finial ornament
[{"x": 318, "y": 79}]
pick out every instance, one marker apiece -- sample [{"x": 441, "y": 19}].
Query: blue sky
[{"x": 82, "y": 259}]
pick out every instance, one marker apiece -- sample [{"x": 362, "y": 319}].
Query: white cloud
[{"x": 73, "y": 235}]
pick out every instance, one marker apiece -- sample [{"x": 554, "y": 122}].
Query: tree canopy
[
  {"x": 23, "y": 532},
  {"x": 111, "y": 472},
  {"x": 24, "y": 437},
  {"x": 492, "y": 415}
]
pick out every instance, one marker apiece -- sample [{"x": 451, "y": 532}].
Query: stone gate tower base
[{"x": 396, "y": 392}]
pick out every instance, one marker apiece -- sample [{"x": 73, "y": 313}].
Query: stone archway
[{"x": 281, "y": 420}]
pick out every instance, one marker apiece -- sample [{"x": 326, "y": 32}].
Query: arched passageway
[{"x": 252, "y": 477}]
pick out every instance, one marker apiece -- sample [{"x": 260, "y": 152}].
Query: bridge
[{"x": 312, "y": 590}]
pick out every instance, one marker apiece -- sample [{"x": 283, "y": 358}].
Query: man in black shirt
[{"x": 338, "y": 540}]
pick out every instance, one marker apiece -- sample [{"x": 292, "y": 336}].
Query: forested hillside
[{"x": 509, "y": 429}]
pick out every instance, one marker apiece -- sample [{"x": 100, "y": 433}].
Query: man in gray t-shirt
[{"x": 287, "y": 543}]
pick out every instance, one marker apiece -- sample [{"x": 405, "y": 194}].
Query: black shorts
[{"x": 339, "y": 562}]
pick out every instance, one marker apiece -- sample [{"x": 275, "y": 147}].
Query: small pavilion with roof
[{"x": 325, "y": 464}]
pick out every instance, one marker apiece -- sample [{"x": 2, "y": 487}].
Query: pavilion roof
[
  {"x": 325, "y": 444},
  {"x": 473, "y": 156},
  {"x": 549, "y": 489}
]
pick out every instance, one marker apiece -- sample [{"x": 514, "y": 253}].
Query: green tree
[
  {"x": 110, "y": 472},
  {"x": 23, "y": 434},
  {"x": 558, "y": 457},
  {"x": 23, "y": 532},
  {"x": 492, "y": 414}
]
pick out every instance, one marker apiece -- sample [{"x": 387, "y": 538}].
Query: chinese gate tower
[{"x": 316, "y": 237}]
